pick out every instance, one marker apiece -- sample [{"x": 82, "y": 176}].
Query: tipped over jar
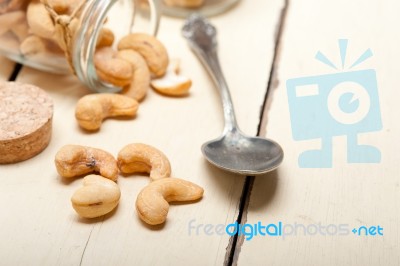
[{"x": 61, "y": 36}]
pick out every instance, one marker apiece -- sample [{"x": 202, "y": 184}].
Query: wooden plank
[
  {"x": 6, "y": 68},
  {"x": 352, "y": 194},
  {"x": 37, "y": 217}
]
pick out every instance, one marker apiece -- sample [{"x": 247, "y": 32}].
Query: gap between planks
[
  {"x": 16, "y": 70},
  {"x": 236, "y": 241}
]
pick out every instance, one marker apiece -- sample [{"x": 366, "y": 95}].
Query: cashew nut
[
  {"x": 11, "y": 5},
  {"x": 97, "y": 197},
  {"x": 32, "y": 45},
  {"x": 75, "y": 160},
  {"x": 59, "y": 30},
  {"x": 60, "y": 6},
  {"x": 139, "y": 158},
  {"x": 21, "y": 29},
  {"x": 152, "y": 50},
  {"x": 106, "y": 38},
  {"x": 184, "y": 3},
  {"x": 152, "y": 203},
  {"x": 9, "y": 20},
  {"x": 111, "y": 69},
  {"x": 92, "y": 109},
  {"x": 63, "y": 6},
  {"x": 172, "y": 84},
  {"x": 141, "y": 75},
  {"x": 39, "y": 20}
]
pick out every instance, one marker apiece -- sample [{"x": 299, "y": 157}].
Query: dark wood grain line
[
  {"x": 273, "y": 81},
  {"x": 236, "y": 241},
  {"x": 14, "y": 74}
]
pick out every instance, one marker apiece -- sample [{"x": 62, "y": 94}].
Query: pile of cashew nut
[
  {"x": 30, "y": 26},
  {"x": 138, "y": 61},
  {"x": 141, "y": 62},
  {"x": 100, "y": 194}
]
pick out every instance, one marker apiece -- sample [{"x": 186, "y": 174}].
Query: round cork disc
[{"x": 25, "y": 121}]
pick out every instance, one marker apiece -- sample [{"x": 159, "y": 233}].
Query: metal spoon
[{"x": 233, "y": 151}]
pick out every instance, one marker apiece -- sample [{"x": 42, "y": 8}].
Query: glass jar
[
  {"x": 70, "y": 43},
  {"x": 183, "y": 8}
]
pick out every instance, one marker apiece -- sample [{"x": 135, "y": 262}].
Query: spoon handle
[{"x": 202, "y": 38}]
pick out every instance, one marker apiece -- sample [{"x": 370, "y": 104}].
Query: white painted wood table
[{"x": 262, "y": 45}]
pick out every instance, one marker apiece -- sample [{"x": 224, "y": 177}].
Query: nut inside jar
[
  {"x": 183, "y": 8},
  {"x": 59, "y": 36}
]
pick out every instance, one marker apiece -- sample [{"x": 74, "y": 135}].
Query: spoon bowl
[
  {"x": 238, "y": 153},
  {"x": 233, "y": 151}
]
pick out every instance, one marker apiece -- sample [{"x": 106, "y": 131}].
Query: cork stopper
[{"x": 26, "y": 113}]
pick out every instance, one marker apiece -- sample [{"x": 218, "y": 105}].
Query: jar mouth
[{"x": 145, "y": 17}]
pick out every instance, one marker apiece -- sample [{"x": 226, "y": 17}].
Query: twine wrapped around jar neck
[{"x": 65, "y": 28}]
